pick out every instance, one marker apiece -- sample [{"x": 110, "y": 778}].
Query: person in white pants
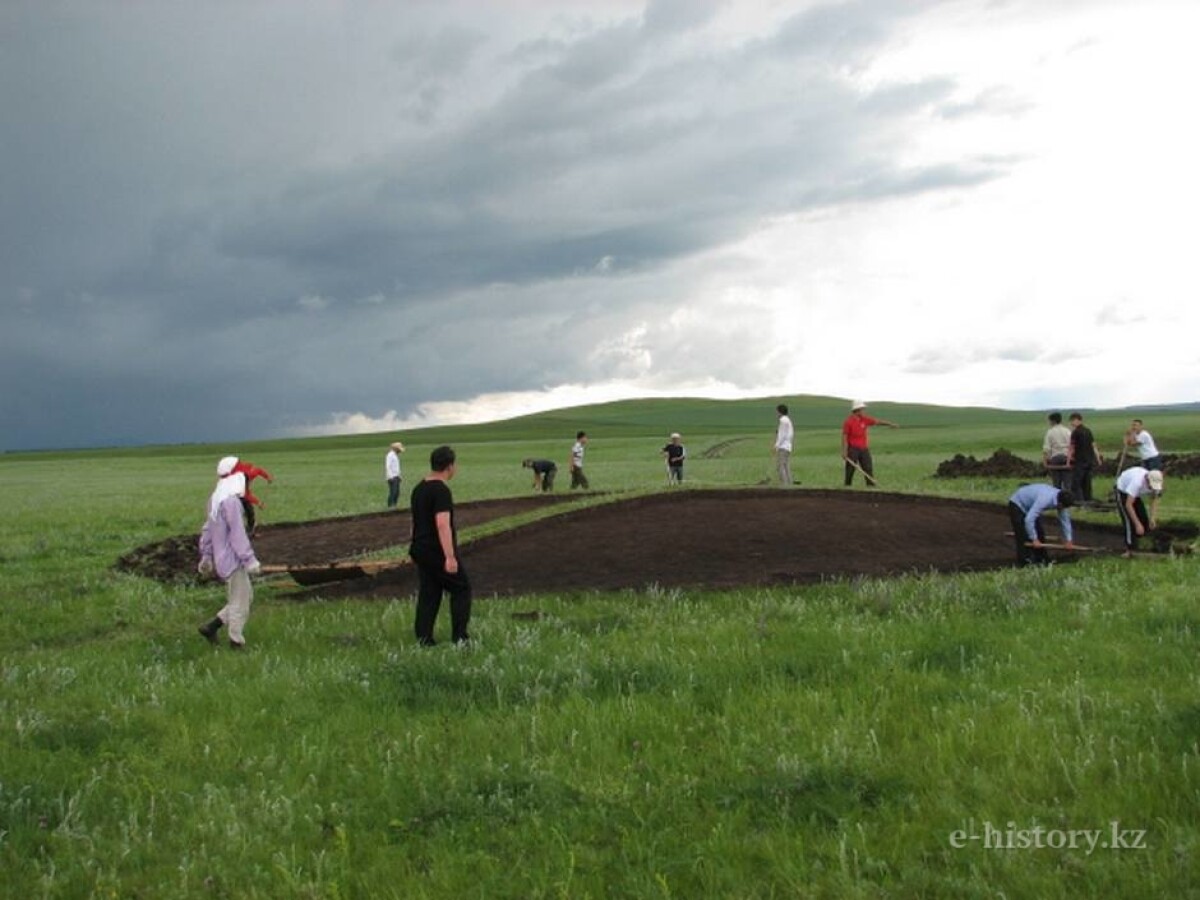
[{"x": 226, "y": 551}]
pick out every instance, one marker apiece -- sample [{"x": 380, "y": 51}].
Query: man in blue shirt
[{"x": 1025, "y": 509}]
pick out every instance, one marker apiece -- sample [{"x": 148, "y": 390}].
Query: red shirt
[
  {"x": 854, "y": 430},
  {"x": 251, "y": 472}
]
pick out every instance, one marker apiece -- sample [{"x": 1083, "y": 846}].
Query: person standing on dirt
[
  {"x": 674, "y": 453},
  {"x": 225, "y": 549},
  {"x": 544, "y": 471},
  {"x": 855, "y": 452},
  {"x": 391, "y": 471},
  {"x": 1056, "y": 451},
  {"x": 784, "y": 436},
  {"x": 1025, "y": 509},
  {"x": 434, "y": 550},
  {"x": 578, "y": 479},
  {"x": 1083, "y": 457},
  {"x": 1133, "y": 484},
  {"x": 1137, "y": 436}
]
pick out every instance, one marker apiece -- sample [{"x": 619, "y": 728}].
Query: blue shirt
[{"x": 1035, "y": 499}]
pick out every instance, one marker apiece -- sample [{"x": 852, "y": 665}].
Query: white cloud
[{"x": 448, "y": 210}]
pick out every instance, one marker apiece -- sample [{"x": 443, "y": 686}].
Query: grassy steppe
[{"x": 828, "y": 741}]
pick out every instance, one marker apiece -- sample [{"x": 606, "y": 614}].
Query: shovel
[
  {"x": 870, "y": 478},
  {"x": 335, "y": 571}
]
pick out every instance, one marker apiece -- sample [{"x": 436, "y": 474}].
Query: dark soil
[
  {"x": 323, "y": 540},
  {"x": 683, "y": 538},
  {"x": 1006, "y": 464}
]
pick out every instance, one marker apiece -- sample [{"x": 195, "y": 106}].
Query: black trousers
[
  {"x": 862, "y": 456},
  {"x": 433, "y": 580},
  {"x": 1081, "y": 487},
  {"x": 1127, "y": 523},
  {"x": 1027, "y": 556}
]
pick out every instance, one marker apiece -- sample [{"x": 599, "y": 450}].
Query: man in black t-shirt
[
  {"x": 1083, "y": 457},
  {"x": 434, "y": 550},
  {"x": 675, "y": 454}
]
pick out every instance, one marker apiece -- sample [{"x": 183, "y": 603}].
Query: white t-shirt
[
  {"x": 1146, "y": 445},
  {"x": 391, "y": 466},
  {"x": 577, "y": 455},
  {"x": 783, "y": 437},
  {"x": 1133, "y": 481}
]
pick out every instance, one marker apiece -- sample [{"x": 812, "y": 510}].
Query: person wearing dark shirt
[
  {"x": 1083, "y": 457},
  {"x": 674, "y": 453},
  {"x": 544, "y": 471},
  {"x": 434, "y": 551}
]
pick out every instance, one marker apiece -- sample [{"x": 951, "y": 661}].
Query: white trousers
[
  {"x": 783, "y": 462},
  {"x": 239, "y": 593}
]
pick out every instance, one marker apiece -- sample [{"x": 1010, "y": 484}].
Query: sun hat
[
  {"x": 398, "y": 447},
  {"x": 1155, "y": 479}
]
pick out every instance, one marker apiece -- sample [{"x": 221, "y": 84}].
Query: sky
[{"x": 227, "y": 221}]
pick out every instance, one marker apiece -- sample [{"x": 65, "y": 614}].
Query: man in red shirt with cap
[{"x": 854, "y": 442}]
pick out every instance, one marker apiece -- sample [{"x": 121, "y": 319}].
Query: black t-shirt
[
  {"x": 1084, "y": 444},
  {"x": 428, "y": 499},
  {"x": 542, "y": 466},
  {"x": 675, "y": 454}
]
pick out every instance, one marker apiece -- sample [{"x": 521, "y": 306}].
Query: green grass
[{"x": 824, "y": 741}]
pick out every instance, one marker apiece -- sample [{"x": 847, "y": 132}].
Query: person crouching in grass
[{"x": 225, "y": 549}]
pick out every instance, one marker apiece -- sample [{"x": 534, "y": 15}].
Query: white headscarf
[
  {"x": 225, "y": 466},
  {"x": 229, "y": 486}
]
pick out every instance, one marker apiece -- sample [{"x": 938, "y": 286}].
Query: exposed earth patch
[{"x": 681, "y": 538}]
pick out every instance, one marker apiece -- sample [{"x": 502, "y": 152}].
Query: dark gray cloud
[{"x": 363, "y": 208}]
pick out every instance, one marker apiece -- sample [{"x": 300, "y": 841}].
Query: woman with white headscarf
[{"x": 225, "y": 549}]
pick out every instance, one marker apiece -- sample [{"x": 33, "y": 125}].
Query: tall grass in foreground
[{"x": 855, "y": 739}]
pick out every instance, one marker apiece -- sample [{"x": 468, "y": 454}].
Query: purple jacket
[{"x": 224, "y": 540}]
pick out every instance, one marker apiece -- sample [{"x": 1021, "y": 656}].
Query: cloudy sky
[{"x": 231, "y": 220}]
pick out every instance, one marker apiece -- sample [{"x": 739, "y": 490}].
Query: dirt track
[{"x": 719, "y": 539}]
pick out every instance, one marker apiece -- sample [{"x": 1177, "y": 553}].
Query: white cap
[
  {"x": 857, "y": 404},
  {"x": 1155, "y": 479}
]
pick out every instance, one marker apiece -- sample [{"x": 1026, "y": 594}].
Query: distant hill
[{"x": 688, "y": 415}]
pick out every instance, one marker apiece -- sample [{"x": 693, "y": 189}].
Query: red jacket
[{"x": 251, "y": 472}]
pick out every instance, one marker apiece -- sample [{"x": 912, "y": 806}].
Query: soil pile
[
  {"x": 1006, "y": 464},
  {"x": 1001, "y": 464}
]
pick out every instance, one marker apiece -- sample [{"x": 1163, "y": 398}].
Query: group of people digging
[
  {"x": 226, "y": 551},
  {"x": 1071, "y": 456}
]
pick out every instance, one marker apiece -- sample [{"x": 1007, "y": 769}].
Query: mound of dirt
[
  {"x": 1181, "y": 465},
  {"x": 1001, "y": 464},
  {"x": 1006, "y": 464}
]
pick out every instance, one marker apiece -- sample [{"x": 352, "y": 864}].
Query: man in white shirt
[
  {"x": 578, "y": 479},
  {"x": 391, "y": 471},
  {"x": 1056, "y": 451},
  {"x": 783, "y": 445},
  {"x": 1132, "y": 485},
  {"x": 1137, "y": 436}
]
